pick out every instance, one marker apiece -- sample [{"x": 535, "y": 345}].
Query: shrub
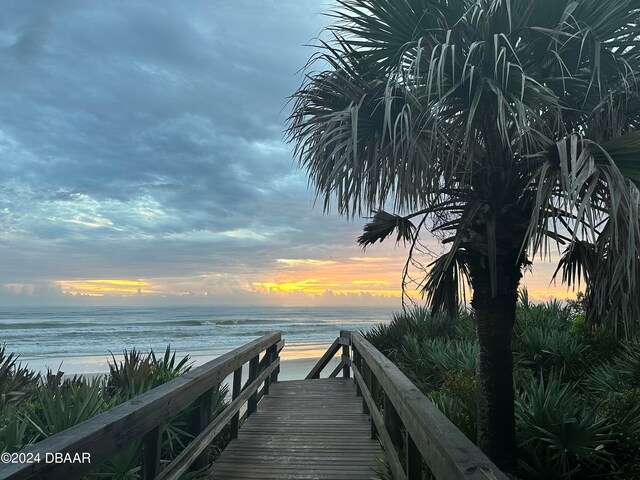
[
  {"x": 456, "y": 399},
  {"x": 627, "y": 362},
  {"x": 16, "y": 381},
  {"x": 60, "y": 404},
  {"x": 451, "y": 356},
  {"x": 138, "y": 372},
  {"x": 14, "y": 431},
  {"x": 542, "y": 350},
  {"x": 577, "y": 388},
  {"x": 560, "y": 433}
]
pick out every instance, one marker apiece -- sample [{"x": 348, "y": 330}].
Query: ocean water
[{"x": 81, "y": 338}]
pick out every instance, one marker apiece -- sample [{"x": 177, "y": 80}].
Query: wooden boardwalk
[{"x": 304, "y": 429}]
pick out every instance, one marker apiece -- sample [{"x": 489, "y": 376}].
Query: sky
[{"x": 143, "y": 161}]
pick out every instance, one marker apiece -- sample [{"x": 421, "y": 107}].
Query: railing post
[
  {"x": 374, "y": 389},
  {"x": 202, "y": 417},
  {"x": 366, "y": 375},
  {"x": 151, "y": 445},
  {"x": 237, "y": 386},
  {"x": 252, "y": 404},
  {"x": 274, "y": 375},
  {"x": 413, "y": 459},
  {"x": 271, "y": 356},
  {"x": 357, "y": 365},
  {"x": 345, "y": 370},
  {"x": 393, "y": 422}
]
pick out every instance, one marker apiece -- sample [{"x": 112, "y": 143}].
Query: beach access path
[{"x": 304, "y": 429}]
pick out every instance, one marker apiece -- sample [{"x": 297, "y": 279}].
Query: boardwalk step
[{"x": 303, "y": 430}]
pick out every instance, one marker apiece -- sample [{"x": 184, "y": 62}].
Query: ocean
[{"x": 81, "y": 339}]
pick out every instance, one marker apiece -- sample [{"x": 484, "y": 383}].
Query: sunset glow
[
  {"x": 350, "y": 276},
  {"x": 289, "y": 281},
  {"x": 101, "y": 287},
  {"x": 165, "y": 199}
]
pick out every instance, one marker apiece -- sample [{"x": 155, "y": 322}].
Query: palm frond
[
  {"x": 578, "y": 262},
  {"x": 383, "y": 225},
  {"x": 507, "y": 123},
  {"x": 445, "y": 283}
]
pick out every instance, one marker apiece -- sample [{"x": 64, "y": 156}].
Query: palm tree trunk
[{"x": 495, "y": 318}]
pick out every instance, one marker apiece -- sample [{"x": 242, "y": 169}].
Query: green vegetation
[
  {"x": 577, "y": 390},
  {"x": 503, "y": 128},
  {"x": 34, "y": 407}
]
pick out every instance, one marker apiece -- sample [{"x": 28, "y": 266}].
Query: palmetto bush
[
  {"x": 62, "y": 403},
  {"x": 37, "y": 407},
  {"x": 415, "y": 324},
  {"x": 577, "y": 393},
  {"x": 603, "y": 379},
  {"x": 542, "y": 350},
  {"x": 449, "y": 356},
  {"x": 561, "y": 434},
  {"x": 627, "y": 362},
  {"x": 16, "y": 381},
  {"x": 139, "y": 372},
  {"x": 14, "y": 430}
]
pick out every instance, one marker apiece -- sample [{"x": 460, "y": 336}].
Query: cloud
[{"x": 143, "y": 140}]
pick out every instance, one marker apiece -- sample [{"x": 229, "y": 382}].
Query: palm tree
[{"x": 504, "y": 127}]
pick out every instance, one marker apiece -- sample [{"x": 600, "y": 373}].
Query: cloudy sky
[{"x": 143, "y": 160}]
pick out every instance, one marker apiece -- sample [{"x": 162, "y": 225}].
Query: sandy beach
[{"x": 296, "y": 362}]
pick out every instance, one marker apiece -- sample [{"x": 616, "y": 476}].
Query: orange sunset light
[
  {"x": 102, "y": 287},
  {"x": 375, "y": 276}
]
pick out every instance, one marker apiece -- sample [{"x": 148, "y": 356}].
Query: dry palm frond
[{"x": 383, "y": 225}]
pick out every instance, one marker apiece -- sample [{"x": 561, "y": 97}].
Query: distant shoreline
[{"x": 296, "y": 361}]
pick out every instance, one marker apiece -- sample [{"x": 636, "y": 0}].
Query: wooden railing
[
  {"x": 410, "y": 428},
  {"x": 101, "y": 437}
]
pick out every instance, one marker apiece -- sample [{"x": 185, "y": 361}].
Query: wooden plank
[
  {"x": 151, "y": 446},
  {"x": 254, "y": 368},
  {"x": 390, "y": 452},
  {"x": 323, "y": 437},
  {"x": 326, "y": 358},
  {"x": 336, "y": 370},
  {"x": 270, "y": 355},
  {"x": 104, "y": 435},
  {"x": 446, "y": 450},
  {"x": 346, "y": 334},
  {"x": 182, "y": 462},
  {"x": 346, "y": 360},
  {"x": 202, "y": 417},
  {"x": 237, "y": 384}
]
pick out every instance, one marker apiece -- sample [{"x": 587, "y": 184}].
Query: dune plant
[
  {"x": 562, "y": 434},
  {"x": 62, "y": 403},
  {"x": 453, "y": 356},
  {"x": 139, "y": 372},
  {"x": 578, "y": 406},
  {"x": 15, "y": 431},
  {"x": 36, "y": 407},
  {"x": 542, "y": 350},
  {"x": 627, "y": 362},
  {"x": 17, "y": 382},
  {"x": 124, "y": 465}
]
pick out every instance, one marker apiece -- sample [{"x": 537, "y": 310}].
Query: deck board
[{"x": 304, "y": 429}]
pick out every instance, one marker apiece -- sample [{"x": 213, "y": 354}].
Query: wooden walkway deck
[
  {"x": 305, "y": 429},
  {"x": 302, "y": 430}
]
